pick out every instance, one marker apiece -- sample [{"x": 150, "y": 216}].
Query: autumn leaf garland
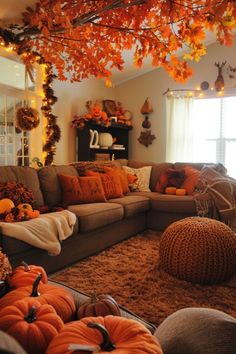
[{"x": 84, "y": 38}]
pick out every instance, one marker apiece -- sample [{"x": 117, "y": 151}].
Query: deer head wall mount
[{"x": 219, "y": 83}]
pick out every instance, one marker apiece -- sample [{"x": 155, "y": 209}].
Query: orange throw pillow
[
  {"x": 92, "y": 190},
  {"x": 111, "y": 183},
  {"x": 191, "y": 179},
  {"x": 78, "y": 190},
  {"x": 71, "y": 189},
  {"x": 122, "y": 176}
]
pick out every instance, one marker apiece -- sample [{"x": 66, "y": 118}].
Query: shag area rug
[{"x": 129, "y": 272}]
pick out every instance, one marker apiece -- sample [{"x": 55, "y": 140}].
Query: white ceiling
[{"x": 10, "y": 13}]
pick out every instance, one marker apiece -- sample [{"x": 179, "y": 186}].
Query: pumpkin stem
[
  {"x": 31, "y": 317},
  {"x": 35, "y": 292},
  {"x": 106, "y": 345},
  {"x": 26, "y": 266}
]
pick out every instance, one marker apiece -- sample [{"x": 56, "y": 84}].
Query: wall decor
[
  {"x": 146, "y": 138},
  {"x": 146, "y": 109},
  {"x": 219, "y": 83}
]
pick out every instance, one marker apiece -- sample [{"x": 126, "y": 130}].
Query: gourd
[
  {"x": 8, "y": 344},
  {"x": 93, "y": 334},
  {"x": 25, "y": 207},
  {"x": 25, "y": 274},
  {"x": 32, "y": 324},
  {"x": 62, "y": 301},
  {"x": 101, "y": 305},
  {"x": 6, "y": 205}
]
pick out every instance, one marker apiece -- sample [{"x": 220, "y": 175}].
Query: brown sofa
[{"x": 99, "y": 225}]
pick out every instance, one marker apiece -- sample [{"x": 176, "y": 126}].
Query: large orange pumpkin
[
  {"x": 6, "y": 205},
  {"x": 104, "y": 334},
  {"x": 101, "y": 305},
  {"x": 25, "y": 274},
  {"x": 32, "y": 324},
  {"x": 62, "y": 301}
]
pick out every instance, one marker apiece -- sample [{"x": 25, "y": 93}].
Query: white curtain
[{"x": 179, "y": 132}]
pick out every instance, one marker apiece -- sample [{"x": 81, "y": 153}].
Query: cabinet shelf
[{"x": 118, "y": 131}]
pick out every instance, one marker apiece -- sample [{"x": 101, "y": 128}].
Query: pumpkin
[
  {"x": 25, "y": 274},
  {"x": 6, "y": 205},
  {"x": 62, "y": 301},
  {"x": 25, "y": 207},
  {"x": 101, "y": 305},
  {"x": 93, "y": 334},
  {"x": 34, "y": 214},
  {"x": 32, "y": 324},
  {"x": 8, "y": 344}
]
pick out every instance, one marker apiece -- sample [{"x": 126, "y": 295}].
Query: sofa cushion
[
  {"x": 96, "y": 166},
  {"x": 25, "y": 175},
  {"x": 157, "y": 170},
  {"x": 95, "y": 215},
  {"x": 174, "y": 203},
  {"x": 50, "y": 184},
  {"x": 197, "y": 331},
  {"x": 133, "y": 204}
]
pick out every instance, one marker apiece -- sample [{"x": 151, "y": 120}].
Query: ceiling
[{"x": 8, "y": 16}]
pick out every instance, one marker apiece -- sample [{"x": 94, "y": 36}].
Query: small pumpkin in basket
[
  {"x": 101, "y": 305},
  {"x": 62, "y": 301},
  {"x": 25, "y": 274},
  {"x": 32, "y": 324},
  {"x": 104, "y": 334}
]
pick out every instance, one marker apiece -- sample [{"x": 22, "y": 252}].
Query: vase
[{"x": 105, "y": 140}]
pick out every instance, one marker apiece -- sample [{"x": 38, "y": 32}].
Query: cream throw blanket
[
  {"x": 46, "y": 232},
  {"x": 217, "y": 196}
]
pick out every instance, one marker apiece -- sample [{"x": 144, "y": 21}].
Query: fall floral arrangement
[{"x": 5, "y": 266}]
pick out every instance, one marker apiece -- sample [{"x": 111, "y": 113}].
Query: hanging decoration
[
  {"x": 146, "y": 109},
  {"x": 27, "y": 117}
]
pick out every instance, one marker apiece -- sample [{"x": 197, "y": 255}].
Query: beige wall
[
  {"x": 134, "y": 92},
  {"x": 72, "y": 98},
  {"x": 71, "y": 101}
]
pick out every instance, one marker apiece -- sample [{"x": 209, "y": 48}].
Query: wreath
[{"x": 27, "y": 118}]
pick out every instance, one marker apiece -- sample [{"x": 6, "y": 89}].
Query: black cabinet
[{"x": 85, "y": 153}]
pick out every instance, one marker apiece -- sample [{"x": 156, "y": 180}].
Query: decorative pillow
[
  {"x": 191, "y": 179},
  {"x": 96, "y": 166},
  {"x": 71, "y": 189},
  {"x": 110, "y": 182},
  {"x": 78, "y": 190},
  {"x": 143, "y": 178},
  {"x": 122, "y": 176},
  {"x": 92, "y": 190},
  {"x": 170, "y": 178},
  {"x": 17, "y": 192}
]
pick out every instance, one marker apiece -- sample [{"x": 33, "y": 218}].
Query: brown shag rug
[{"x": 129, "y": 272}]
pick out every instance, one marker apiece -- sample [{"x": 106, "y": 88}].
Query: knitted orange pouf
[{"x": 199, "y": 250}]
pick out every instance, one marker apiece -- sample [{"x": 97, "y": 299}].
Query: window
[
  {"x": 14, "y": 143},
  {"x": 214, "y": 127}
]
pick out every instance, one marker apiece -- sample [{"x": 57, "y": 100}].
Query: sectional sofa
[{"x": 99, "y": 225}]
